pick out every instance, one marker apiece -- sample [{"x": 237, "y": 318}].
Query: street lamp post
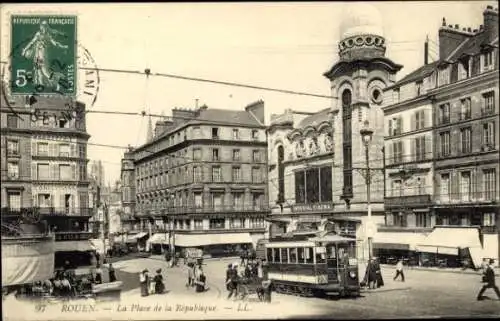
[{"x": 366, "y": 135}]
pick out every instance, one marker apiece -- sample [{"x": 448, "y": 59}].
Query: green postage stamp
[{"x": 43, "y": 54}]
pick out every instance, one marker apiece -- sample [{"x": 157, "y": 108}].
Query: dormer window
[
  {"x": 418, "y": 87},
  {"x": 444, "y": 76},
  {"x": 487, "y": 58},
  {"x": 396, "y": 95},
  {"x": 463, "y": 69}
]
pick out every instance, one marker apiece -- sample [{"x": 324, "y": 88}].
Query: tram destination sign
[{"x": 316, "y": 207}]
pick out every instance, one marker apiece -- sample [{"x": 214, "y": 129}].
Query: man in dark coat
[
  {"x": 489, "y": 280},
  {"x": 378, "y": 272},
  {"x": 111, "y": 272},
  {"x": 233, "y": 282}
]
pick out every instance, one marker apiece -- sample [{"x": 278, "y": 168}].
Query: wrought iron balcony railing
[
  {"x": 35, "y": 211},
  {"x": 194, "y": 209}
]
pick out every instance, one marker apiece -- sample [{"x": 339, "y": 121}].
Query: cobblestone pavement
[{"x": 424, "y": 294}]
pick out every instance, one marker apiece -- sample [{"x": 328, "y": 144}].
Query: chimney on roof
[
  {"x": 257, "y": 110},
  {"x": 490, "y": 20},
  {"x": 162, "y": 126},
  {"x": 449, "y": 39}
]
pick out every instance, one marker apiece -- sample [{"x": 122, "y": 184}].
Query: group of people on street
[
  {"x": 373, "y": 275},
  {"x": 150, "y": 285},
  {"x": 251, "y": 270},
  {"x": 196, "y": 276}
]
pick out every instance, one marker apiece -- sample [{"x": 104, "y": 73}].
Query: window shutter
[
  {"x": 479, "y": 185},
  {"x": 413, "y": 150},
  {"x": 390, "y": 127},
  {"x": 389, "y": 219},
  {"x": 52, "y": 150},
  {"x": 454, "y": 185},
  {"x": 400, "y": 124},
  {"x": 57, "y": 149},
  {"x": 428, "y": 147},
  {"x": 459, "y": 142},
  {"x": 401, "y": 151},
  {"x": 73, "y": 150},
  {"x": 390, "y": 154},
  {"x": 73, "y": 201},
  {"x": 33, "y": 172},
  {"x": 33, "y": 149},
  {"x": 61, "y": 201},
  {"x": 413, "y": 121},
  {"x": 73, "y": 171},
  {"x": 35, "y": 200}
]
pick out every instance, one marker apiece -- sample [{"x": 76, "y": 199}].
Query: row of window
[
  {"x": 485, "y": 182},
  {"x": 217, "y": 223},
  {"x": 64, "y": 172},
  {"x": 196, "y": 200},
  {"x": 42, "y": 149},
  {"x": 183, "y": 176},
  {"x": 308, "y": 255},
  {"x": 46, "y": 200},
  {"x": 181, "y": 158},
  {"x": 465, "y": 140},
  {"x": 463, "y": 188},
  {"x": 424, "y": 219},
  {"x": 464, "y": 68},
  {"x": 488, "y": 108}
]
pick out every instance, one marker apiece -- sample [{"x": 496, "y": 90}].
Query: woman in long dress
[
  {"x": 158, "y": 280},
  {"x": 144, "y": 280}
]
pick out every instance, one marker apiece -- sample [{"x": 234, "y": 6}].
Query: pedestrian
[
  {"x": 190, "y": 274},
  {"x": 371, "y": 274},
  {"x": 233, "y": 282},
  {"x": 111, "y": 273},
  {"x": 399, "y": 270},
  {"x": 378, "y": 274},
  {"x": 489, "y": 280},
  {"x": 229, "y": 272},
  {"x": 144, "y": 280},
  {"x": 98, "y": 274},
  {"x": 200, "y": 280},
  {"x": 158, "y": 282},
  {"x": 243, "y": 257}
]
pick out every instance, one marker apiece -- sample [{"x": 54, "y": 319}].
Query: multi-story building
[
  {"x": 129, "y": 220},
  {"x": 203, "y": 176},
  {"x": 44, "y": 176},
  {"x": 457, "y": 181},
  {"x": 356, "y": 83}
]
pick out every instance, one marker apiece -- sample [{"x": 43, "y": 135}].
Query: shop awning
[
  {"x": 158, "y": 238},
  {"x": 70, "y": 246},
  {"x": 193, "y": 240},
  {"x": 139, "y": 235},
  {"x": 406, "y": 241},
  {"x": 448, "y": 240}
]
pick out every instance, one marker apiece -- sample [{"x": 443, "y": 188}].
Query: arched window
[
  {"x": 281, "y": 175},
  {"x": 347, "y": 142}
]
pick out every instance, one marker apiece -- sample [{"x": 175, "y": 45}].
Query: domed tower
[{"x": 357, "y": 81}]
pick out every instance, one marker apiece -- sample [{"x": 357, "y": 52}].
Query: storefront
[
  {"x": 389, "y": 247},
  {"x": 216, "y": 244},
  {"x": 450, "y": 245}
]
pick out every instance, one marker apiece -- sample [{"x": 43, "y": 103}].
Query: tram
[{"x": 320, "y": 265}]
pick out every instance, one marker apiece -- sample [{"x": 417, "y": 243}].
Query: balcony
[
  {"x": 75, "y": 211},
  {"x": 395, "y": 228},
  {"x": 407, "y": 201},
  {"x": 208, "y": 209},
  {"x": 73, "y": 236}
]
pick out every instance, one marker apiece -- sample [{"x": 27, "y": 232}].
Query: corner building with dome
[{"x": 317, "y": 160}]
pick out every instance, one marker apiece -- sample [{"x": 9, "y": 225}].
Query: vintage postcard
[{"x": 270, "y": 160}]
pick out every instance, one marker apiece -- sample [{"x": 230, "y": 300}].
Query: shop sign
[{"x": 316, "y": 207}]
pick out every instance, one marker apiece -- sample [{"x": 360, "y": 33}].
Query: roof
[
  {"x": 419, "y": 73},
  {"x": 470, "y": 46},
  {"x": 215, "y": 116},
  {"x": 315, "y": 119}
]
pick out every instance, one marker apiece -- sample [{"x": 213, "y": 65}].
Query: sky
[{"x": 269, "y": 44}]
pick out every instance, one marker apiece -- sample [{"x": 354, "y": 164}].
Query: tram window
[
  {"x": 300, "y": 254},
  {"x": 330, "y": 252},
  {"x": 269, "y": 255},
  {"x": 309, "y": 255},
  {"x": 276, "y": 255},
  {"x": 284, "y": 255},
  {"x": 320, "y": 257},
  {"x": 293, "y": 255}
]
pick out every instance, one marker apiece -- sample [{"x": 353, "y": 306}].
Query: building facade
[
  {"x": 44, "y": 176},
  {"x": 356, "y": 82},
  {"x": 455, "y": 99},
  {"x": 203, "y": 177}
]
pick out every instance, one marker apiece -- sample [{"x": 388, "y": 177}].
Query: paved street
[{"x": 424, "y": 294}]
